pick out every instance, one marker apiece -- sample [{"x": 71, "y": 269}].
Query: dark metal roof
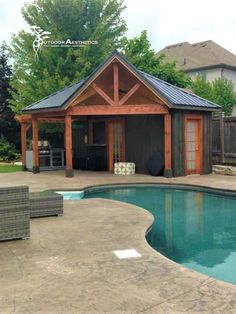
[
  {"x": 56, "y": 100},
  {"x": 175, "y": 96}
]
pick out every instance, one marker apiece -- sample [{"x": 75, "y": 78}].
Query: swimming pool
[{"x": 194, "y": 228}]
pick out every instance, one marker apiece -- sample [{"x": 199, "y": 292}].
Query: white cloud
[{"x": 167, "y": 21}]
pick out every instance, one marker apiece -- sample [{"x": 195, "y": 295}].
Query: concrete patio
[{"x": 68, "y": 265}]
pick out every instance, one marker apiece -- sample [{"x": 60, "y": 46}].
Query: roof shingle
[{"x": 199, "y": 55}]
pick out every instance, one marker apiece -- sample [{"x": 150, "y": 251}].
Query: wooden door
[
  {"x": 193, "y": 144},
  {"x": 116, "y": 142}
]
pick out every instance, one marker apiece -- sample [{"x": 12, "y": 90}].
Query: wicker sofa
[
  {"x": 43, "y": 204},
  {"x": 14, "y": 213}
]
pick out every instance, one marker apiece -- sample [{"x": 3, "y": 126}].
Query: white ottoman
[{"x": 124, "y": 168}]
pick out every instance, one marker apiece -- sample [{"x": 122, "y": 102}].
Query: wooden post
[
  {"x": 167, "y": 132},
  {"x": 116, "y": 83},
  {"x": 23, "y": 144},
  {"x": 222, "y": 138},
  {"x": 35, "y": 146},
  {"x": 68, "y": 138}
]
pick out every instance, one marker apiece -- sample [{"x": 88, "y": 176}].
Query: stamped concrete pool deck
[{"x": 68, "y": 264}]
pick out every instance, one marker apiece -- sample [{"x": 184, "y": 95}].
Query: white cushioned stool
[{"x": 124, "y": 168}]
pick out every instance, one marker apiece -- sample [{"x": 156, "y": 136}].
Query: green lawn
[{"x": 9, "y": 168}]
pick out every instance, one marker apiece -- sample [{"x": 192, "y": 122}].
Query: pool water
[{"x": 195, "y": 229}]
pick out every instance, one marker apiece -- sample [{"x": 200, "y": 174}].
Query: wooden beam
[
  {"x": 116, "y": 83},
  {"x": 68, "y": 140},
  {"x": 49, "y": 114},
  {"x": 103, "y": 94},
  {"x": 35, "y": 146},
  {"x": 23, "y": 144},
  {"x": 52, "y": 120},
  {"x": 130, "y": 93},
  {"x": 23, "y": 118},
  {"x": 113, "y": 110},
  {"x": 167, "y": 132},
  {"x": 82, "y": 97}
]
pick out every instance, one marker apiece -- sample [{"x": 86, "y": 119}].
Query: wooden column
[
  {"x": 116, "y": 83},
  {"x": 167, "y": 132},
  {"x": 23, "y": 144},
  {"x": 68, "y": 140},
  {"x": 35, "y": 146}
]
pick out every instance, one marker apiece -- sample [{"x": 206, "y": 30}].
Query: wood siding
[
  {"x": 177, "y": 140},
  {"x": 207, "y": 142},
  {"x": 144, "y": 136}
]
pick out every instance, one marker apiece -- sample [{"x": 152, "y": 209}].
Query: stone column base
[
  {"x": 23, "y": 168},
  {"x": 69, "y": 173},
  {"x": 35, "y": 169},
  {"x": 168, "y": 173}
]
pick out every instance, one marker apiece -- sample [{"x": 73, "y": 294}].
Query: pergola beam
[
  {"x": 116, "y": 83},
  {"x": 119, "y": 110},
  {"x": 129, "y": 93},
  {"x": 102, "y": 94}
]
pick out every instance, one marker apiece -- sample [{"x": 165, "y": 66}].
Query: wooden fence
[{"x": 224, "y": 140}]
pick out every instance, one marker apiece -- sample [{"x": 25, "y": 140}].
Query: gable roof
[
  {"x": 199, "y": 55},
  {"x": 174, "y": 97}
]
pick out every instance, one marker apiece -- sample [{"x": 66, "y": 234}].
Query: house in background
[{"x": 205, "y": 58}]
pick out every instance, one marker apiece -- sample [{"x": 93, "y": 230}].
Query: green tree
[
  {"x": 202, "y": 88},
  {"x": 224, "y": 95},
  {"x": 220, "y": 91},
  {"x": 139, "y": 52},
  {"x": 8, "y": 126},
  {"x": 97, "y": 20}
]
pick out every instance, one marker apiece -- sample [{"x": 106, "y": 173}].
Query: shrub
[{"x": 7, "y": 151}]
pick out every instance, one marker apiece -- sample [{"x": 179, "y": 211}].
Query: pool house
[{"x": 121, "y": 114}]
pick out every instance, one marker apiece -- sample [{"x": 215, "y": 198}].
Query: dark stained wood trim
[
  {"x": 114, "y": 110},
  {"x": 116, "y": 83},
  {"x": 167, "y": 134},
  {"x": 129, "y": 93},
  {"x": 103, "y": 94},
  {"x": 110, "y": 146}
]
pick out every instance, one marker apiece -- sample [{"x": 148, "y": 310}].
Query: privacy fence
[{"x": 224, "y": 140}]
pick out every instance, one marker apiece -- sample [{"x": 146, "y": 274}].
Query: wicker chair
[
  {"x": 14, "y": 213},
  {"x": 43, "y": 204}
]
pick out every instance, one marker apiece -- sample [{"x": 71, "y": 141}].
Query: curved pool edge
[
  {"x": 184, "y": 186},
  {"x": 144, "y": 232},
  {"x": 188, "y": 187}
]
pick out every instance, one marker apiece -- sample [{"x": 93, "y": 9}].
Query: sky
[{"x": 167, "y": 22}]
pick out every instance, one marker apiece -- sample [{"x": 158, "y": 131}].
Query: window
[{"x": 97, "y": 132}]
